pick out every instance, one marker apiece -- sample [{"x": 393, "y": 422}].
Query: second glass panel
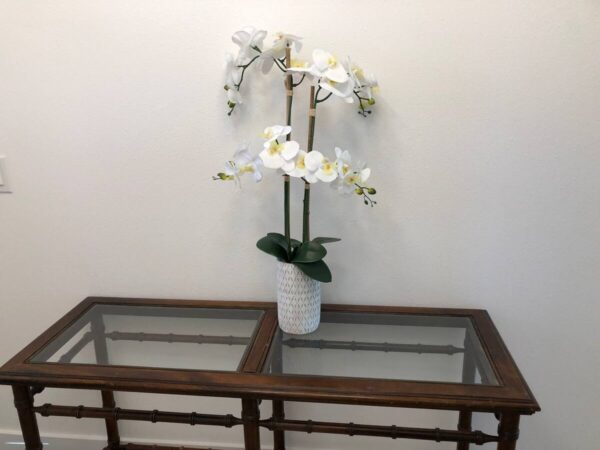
[{"x": 397, "y": 347}]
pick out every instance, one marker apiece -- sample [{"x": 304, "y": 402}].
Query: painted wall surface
[{"x": 484, "y": 145}]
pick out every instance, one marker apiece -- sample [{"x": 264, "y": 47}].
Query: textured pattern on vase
[{"x": 298, "y": 300}]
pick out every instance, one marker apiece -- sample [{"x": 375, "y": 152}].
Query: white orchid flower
[
  {"x": 331, "y": 74},
  {"x": 299, "y": 64},
  {"x": 281, "y": 42},
  {"x": 299, "y": 169},
  {"x": 325, "y": 66},
  {"x": 233, "y": 96},
  {"x": 343, "y": 90},
  {"x": 328, "y": 66},
  {"x": 319, "y": 168},
  {"x": 280, "y": 155},
  {"x": 355, "y": 181},
  {"x": 304, "y": 68},
  {"x": 301, "y": 67},
  {"x": 343, "y": 161},
  {"x": 370, "y": 85},
  {"x": 233, "y": 73},
  {"x": 242, "y": 163},
  {"x": 248, "y": 39},
  {"x": 365, "y": 84},
  {"x": 276, "y": 132},
  {"x": 356, "y": 73},
  {"x": 352, "y": 178},
  {"x": 312, "y": 163}
]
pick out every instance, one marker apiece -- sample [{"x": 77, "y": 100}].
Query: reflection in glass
[
  {"x": 398, "y": 347},
  {"x": 154, "y": 336}
]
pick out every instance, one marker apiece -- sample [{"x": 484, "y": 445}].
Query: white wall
[{"x": 484, "y": 148}]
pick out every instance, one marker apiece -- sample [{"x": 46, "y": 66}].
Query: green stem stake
[
  {"x": 289, "y": 84},
  {"x": 312, "y": 112}
]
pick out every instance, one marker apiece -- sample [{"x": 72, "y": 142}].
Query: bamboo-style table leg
[
  {"x": 27, "y": 419},
  {"x": 251, "y": 417},
  {"x": 278, "y": 405},
  {"x": 278, "y": 435},
  {"x": 508, "y": 431},
  {"x": 108, "y": 397},
  {"x": 468, "y": 377},
  {"x": 464, "y": 424}
]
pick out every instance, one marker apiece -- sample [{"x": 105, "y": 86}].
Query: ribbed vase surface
[{"x": 298, "y": 300}]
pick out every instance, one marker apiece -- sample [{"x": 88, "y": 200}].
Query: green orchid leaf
[
  {"x": 269, "y": 245},
  {"x": 278, "y": 238},
  {"x": 295, "y": 242},
  {"x": 309, "y": 252},
  {"x": 317, "y": 270},
  {"x": 282, "y": 241},
  {"x": 295, "y": 246},
  {"x": 326, "y": 240}
]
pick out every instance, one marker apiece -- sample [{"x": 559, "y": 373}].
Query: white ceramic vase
[{"x": 298, "y": 300}]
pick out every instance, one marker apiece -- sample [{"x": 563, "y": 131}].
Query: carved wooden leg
[
  {"x": 468, "y": 376},
  {"x": 508, "y": 431},
  {"x": 464, "y": 424},
  {"x": 112, "y": 428},
  {"x": 27, "y": 419},
  {"x": 108, "y": 397},
  {"x": 251, "y": 416},
  {"x": 278, "y": 405},
  {"x": 278, "y": 435}
]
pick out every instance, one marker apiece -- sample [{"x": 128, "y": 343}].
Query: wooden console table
[{"x": 448, "y": 359}]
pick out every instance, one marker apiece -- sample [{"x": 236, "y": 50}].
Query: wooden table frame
[{"x": 508, "y": 400}]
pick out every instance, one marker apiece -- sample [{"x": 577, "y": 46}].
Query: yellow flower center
[
  {"x": 351, "y": 179},
  {"x": 246, "y": 169},
  {"x": 268, "y": 134},
  {"x": 345, "y": 169},
  {"x": 299, "y": 63},
  {"x": 332, "y": 62},
  {"x": 275, "y": 148},
  {"x": 327, "y": 166},
  {"x": 300, "y": 162}
]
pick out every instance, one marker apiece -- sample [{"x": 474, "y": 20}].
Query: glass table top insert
[
  {"x": 386, "y": 346},
  {"x": 155, "y": 336}
]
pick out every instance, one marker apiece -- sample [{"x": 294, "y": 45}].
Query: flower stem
[
  {"x": 289, "y": 84},
  {"x": 363, "y": 111},
  {"x": 301, "y": 80},
  {"x": 309, "y": 147},
  {"x": 238, "y": 85},
  {"x": 319, "y": 100},
  {"x": 306, "y": 214},
  {"x": 311, "y": 119},
  {"x": 286, "y": 212},
  {"x": 244, "y": 67},
  {"x": 364, "y": 190},
  {"x": 279, "y": 65}
]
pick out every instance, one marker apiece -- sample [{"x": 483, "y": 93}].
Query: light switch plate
[{"x": 4, "y": 186}]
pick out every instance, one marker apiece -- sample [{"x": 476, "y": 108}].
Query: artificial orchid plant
[{"x": 328, "y": 77}]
